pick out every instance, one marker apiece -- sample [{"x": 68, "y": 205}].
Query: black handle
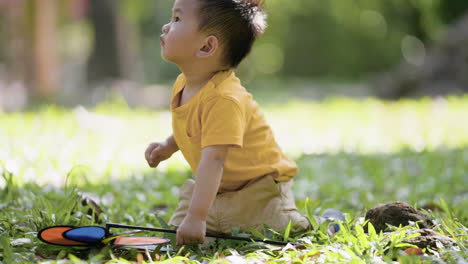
[{"x": 273, "y": 242}]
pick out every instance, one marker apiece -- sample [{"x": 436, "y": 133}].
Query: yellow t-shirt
[{"x": 224, "y": 113}]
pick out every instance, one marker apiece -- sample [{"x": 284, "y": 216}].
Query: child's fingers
[
  {"x": 154, "y": 156},
  {"x": 179, "y": 239},
  {"x": 149, "y": 149},
  {"x": 153, "y": 164}
]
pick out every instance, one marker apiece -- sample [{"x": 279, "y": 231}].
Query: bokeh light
[{"x": 413, "y": 50}]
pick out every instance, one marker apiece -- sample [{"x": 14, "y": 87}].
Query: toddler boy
[{"x": 242, "y": 178}]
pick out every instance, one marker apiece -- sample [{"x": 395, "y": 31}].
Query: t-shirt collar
[
  {"x": 220, "y": 77},
  {"x": 215, "y": 80}
]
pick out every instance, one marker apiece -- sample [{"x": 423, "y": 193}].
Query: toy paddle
[{"x": 91, "y": 236}]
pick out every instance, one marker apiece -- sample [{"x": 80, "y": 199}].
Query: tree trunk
[
  {"x": 46, "y": 57},
  {"x": 13, "y": 21},
  {"x": 104, "y": 62},
  {"x": 115, "y": 53},
  {"x": 13, "y": 77},
  {"x": 127, "y": 46}
]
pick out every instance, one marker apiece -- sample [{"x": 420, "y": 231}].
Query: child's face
[{"x": 181, "y": 38}]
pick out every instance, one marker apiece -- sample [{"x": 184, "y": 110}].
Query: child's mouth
[{"x": 161, "y": 41}]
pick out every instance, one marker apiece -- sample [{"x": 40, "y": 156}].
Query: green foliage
[
  {"x": 362, "y": 153},
  {"x": 331, "y": 39},
  {"x": 451, "y": 10}
]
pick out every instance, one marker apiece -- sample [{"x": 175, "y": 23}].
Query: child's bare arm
[
  {"x": 171, "y": 144},
  {"x": 207, "y": 181}
]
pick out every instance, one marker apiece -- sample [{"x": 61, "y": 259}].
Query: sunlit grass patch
[
  {"x": 109, "y": 140},
  {"x": 370, "y": 125}
]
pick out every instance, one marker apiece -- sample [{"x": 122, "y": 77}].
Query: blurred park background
[{"x": 72, "y": 52}]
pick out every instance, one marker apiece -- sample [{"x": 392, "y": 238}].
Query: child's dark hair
[{"x": 236, "y": 23}]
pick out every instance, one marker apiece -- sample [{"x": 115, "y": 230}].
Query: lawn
[{"x": 352, "y": 155}]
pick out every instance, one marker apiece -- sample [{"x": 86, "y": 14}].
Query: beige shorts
[{"x": 262, "y": 202}]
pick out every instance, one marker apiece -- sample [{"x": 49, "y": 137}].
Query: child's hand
[
  {"x": 157, "y": 152},
  {"x": 191, "y": 231}
]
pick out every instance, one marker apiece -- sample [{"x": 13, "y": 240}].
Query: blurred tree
[
  {"x": 103, "y": 62},
  {"x": 14, "y": 58},
  {"x": 115, "y": 53},
  {"x": 451, "y": 10},
  {"x": 46, "y": 60},
  {"x": 442, "y": 71},
  {"x": 13, "y": 34},
  {"x": 152, "y": 15},
  {"x": 333, "y": 39}
]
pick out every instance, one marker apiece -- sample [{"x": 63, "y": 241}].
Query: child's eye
[{"x": 176, "y": 19}]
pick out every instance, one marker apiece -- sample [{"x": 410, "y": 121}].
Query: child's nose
[{"x": 165, "y": 28}]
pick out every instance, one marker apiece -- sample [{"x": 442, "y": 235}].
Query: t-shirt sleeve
[{"x": 222, "y": 123}]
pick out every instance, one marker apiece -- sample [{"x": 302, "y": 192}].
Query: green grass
[{"x": 352, "y": 155}]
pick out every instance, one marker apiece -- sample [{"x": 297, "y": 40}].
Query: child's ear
[{"x": 210, "y": 46}]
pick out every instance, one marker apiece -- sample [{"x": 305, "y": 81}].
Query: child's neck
[{"x": 197, "y": 77}]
